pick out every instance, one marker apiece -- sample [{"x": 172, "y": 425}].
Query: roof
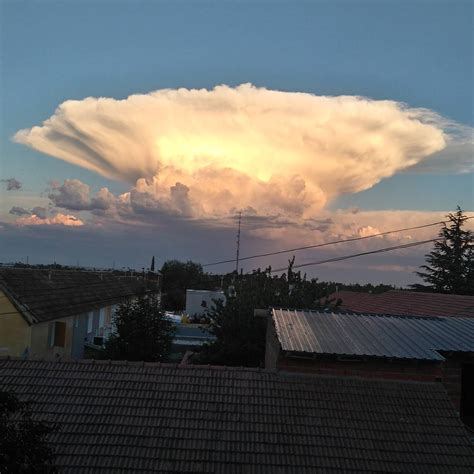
[
  {"x": 50, "y": 294},
  {"x": 400, "y": 337},
  {"x": 412, "y": 303},
  {"x": 121, "y": 418}
]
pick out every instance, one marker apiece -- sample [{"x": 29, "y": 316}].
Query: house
[
  {"x": 377, "y": 346},
  {"x": 411, "y": 303},
  {"x": 55, "y": 312},
  {"x": 141, "y": 417},
  {"x": 199, "y": 302}
]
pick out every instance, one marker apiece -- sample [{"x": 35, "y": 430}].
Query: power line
[
  {"x": 279, "y": 252},
  {"x": 346, "y": 257}
]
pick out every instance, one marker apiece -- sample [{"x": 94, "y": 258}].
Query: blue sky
[{"x": 416, "y": 52}]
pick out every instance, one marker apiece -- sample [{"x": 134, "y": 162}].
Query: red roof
[{"x": 406, "y": 303}]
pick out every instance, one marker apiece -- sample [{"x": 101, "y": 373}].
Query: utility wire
[
  {"x": 346, "y": 257},
  {"x": 279, "y": 252}
]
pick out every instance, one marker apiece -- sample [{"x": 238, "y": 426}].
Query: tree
[
  {"x": 142, "y": 332},
  {"x": 240, "y": 336},
  {"x": 178, "y": 277},
  {"x": 152, "y": 266},
  {"x": 23, "y": 447},
  {"x": 450, "y": 265}
]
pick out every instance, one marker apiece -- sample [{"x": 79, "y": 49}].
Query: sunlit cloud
[
  {"x": 204, "y": 154},
  {"x": 58, "y": 219}
]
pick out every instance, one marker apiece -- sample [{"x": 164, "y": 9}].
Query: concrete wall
[
  {"x": 14, "y": 330},
  {"x": 40, "y": 339}
]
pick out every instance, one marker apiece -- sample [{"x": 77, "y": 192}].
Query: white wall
[{"x": 195, "y": 298}]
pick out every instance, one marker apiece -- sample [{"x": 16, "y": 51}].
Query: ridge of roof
[{"x": 211, "y": 368}]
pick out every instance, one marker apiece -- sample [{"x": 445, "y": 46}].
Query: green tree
[
  {"x": 240, "y": 336},
  {"x": 142, "y": 332},
  {"x": 179, "y": 276},
  {"x": 450, "y": 265},
  {"x": 23, "y": 447}
]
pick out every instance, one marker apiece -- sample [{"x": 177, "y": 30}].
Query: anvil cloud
[{"x": 204, "y": 153}]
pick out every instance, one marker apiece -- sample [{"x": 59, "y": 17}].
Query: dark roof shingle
[
  {"x": 151, "y": 418},
  {"x": 47, "y": 294},
  {"x": 370, "y": 335}
]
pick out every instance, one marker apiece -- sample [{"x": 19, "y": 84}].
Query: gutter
[{"x": 21, "y": 308}]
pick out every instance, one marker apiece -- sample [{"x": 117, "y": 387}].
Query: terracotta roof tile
[
  {"x": 158, "y": 418},
  {"x": 406, "y": 303}
]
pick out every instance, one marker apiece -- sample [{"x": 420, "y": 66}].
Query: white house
[{"x": 199, "y": 302}]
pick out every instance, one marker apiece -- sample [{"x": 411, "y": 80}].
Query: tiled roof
[
  {"x": 54, "y": 294},
  {"x": 118, "y": 418},
  {"x": 401, "y": 337},
  {"x": 406, "y": 303}
]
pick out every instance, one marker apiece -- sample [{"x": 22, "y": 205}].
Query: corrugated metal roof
[{"x": 402, "y": 337}]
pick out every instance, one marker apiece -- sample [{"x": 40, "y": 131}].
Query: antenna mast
[{"x": 238, "y": 245}]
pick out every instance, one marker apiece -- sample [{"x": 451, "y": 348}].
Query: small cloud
[
  {"x": 58, "y": 219},
  {"x": 12, "y": 184},
  {"x": 74, "y": 195},
  {"x": 19, "y": 211}
]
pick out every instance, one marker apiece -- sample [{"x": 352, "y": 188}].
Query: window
[
  {"x": 101, "y": 317},
  {"x": 57, "y": 334},
  {"x": 89, "y": 322}
]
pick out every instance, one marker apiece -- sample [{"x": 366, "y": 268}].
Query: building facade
[{"x": 45, "y": 313}]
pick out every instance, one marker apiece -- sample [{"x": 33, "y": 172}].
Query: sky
[{"x": 132, "y": 129}]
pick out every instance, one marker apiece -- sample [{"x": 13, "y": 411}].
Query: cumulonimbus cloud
[{"x": 203, "y": 153}]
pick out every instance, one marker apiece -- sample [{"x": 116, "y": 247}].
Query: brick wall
[{"x": 370, "y": 368}]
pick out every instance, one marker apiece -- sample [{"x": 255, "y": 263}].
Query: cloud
[
  {"x": 36, "y": 211},
  {"x": 19, "y": 211},
  {"x": 456, "y": 158},
  {"x": 206, "y": 153},
  {"x": 75, "y": 195},
  {"x": 39, "y": 212},
  {"x": 12, "y": 184},
  {"x": 58, "y": 219}
]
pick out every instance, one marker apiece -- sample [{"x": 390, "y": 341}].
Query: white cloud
[
  {"x": 73, "y": 194},
  {"x": 205, "y": 153},
  {"x": 58, "y": 219}
]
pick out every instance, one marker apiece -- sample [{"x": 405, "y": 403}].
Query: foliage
[
  {"x": 450, "y": 265},
  {"x": 178, "y": 277},
  {"x": 240, "y": 336},
  {"x": 142, "y": 332},
  {"x": 23, "y": 447}
]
